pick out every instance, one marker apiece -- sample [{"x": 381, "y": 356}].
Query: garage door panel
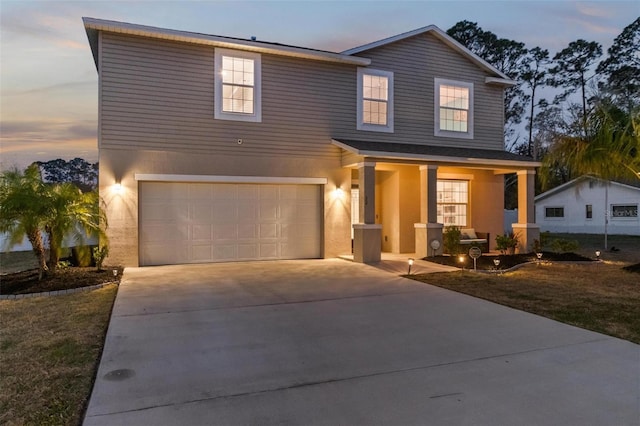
[
  {"x": 267, "y": 230},
  {"x": 247, "y": 231},
  {"x": 201, "y": 253},
  {"x": 268, "y": 251},
  {"x": 202, "y": 232},
  {"x": 227, "y": 232},
  {"x": 204, "y": 222}
]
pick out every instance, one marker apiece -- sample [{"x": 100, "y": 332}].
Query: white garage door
[{"x": 220, "y": 222}]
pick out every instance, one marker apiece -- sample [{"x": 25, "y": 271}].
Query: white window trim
[
  {"x": 360, "y": 125},
  {"x": 219, "y": 114},
  {"x": 436, "y": 105}
]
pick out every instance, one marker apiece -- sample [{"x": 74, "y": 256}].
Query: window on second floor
[
  {"x": 237, "y": 85},
  {"x": 453, "y": 202},
  {"x": 375, "y": 100},
  {"x": 453, "y": 108}
]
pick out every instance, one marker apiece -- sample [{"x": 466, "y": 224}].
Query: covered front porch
[{"x": 404, "y": 195}]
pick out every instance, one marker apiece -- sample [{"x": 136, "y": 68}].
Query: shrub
[
  {"x": 451, "y": 239},
  {"x": 507, "y": 243},
  {"x": 99, "y": 254},
  {"x": 562, "y": 245}
]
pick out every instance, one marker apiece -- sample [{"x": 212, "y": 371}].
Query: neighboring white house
[{"x": 583, "y": 205}]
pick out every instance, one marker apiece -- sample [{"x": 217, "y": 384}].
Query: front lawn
[
  {"x": 598, "y": 296},
  {"x": 49, "y": 352}
]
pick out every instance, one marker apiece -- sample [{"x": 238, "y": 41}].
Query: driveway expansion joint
[{"x": 357, "y": 377}]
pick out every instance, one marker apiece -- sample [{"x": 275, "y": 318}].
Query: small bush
[
  {"x": 507, "y": 243},
  {"x": 562, "y": 245},
  {"x": 99, "y": 254},
  {"x": 451, "y": 239}
]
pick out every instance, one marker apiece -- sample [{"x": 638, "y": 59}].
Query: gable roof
[
  {"x": 500, "y": 78},
  {"x": 405, "y": 151},
  {"x": 93, "y": 26},
  {"x": 579, "y": 180}
]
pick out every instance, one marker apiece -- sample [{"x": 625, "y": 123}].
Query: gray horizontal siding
[
  {"x": 158, "y": 95},
  {"x": 416, "y": 61}
]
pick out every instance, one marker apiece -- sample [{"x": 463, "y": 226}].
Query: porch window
[
  {"x": 453, "y": 109},
  {"x": 453, "y": 202},
  {"x": 589, "y": 211}
]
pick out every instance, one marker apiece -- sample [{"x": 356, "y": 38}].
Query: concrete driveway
[{"x": 335, "y": 342}]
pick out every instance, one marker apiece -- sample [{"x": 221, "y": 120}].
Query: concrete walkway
[{"x": 335, "y": 342}]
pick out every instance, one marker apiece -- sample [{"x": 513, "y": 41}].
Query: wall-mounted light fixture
[
  {"x": 338, "y": 193},
  {"x": 117, "y": 188}
]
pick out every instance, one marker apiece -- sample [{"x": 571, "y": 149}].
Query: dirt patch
[
  {"x": 63, "y": 279},
  {"x": 486, "y": 262}
]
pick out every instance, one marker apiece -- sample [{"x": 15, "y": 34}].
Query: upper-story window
[
  {"x": 453, "y": 109},
  {"x": 375, "y": 100},
  {"x": 237, "y": 85}
]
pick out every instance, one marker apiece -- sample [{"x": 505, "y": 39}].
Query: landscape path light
[
  {"x": 410, "y": 265},
  {"x": 539, "y": 256},
  {"x": 598, "y": 253}
]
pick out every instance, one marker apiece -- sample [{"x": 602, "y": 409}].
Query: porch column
[
  {"x": 526, "y": 228},
  {"x": 366, "y": 234},
  {"x": 428, "y": 229}
]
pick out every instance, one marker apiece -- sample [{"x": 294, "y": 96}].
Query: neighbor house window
[
  {"x": 237, "y": 85},
  {"x": 619, "y": 211},
  {"x": 589, "y": 211},
  {"x": 453, "y": 108},
  {"x": 375, "y": 100},
  {"x": 453, "y": 202},
  {"x": 554, "y": 212}
]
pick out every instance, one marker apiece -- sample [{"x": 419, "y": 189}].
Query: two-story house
[{"x": 223, "y": 149}]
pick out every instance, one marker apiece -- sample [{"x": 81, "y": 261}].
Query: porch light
[
  {"x": 117, "y": 188},
  {"x": 338, "y": 193},
  {"x": 598, "y": 253},
  {"x": 410, "y": 265}
]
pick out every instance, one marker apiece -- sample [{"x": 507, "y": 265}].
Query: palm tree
[
  {"x": 610, "y": 150},
  {"x": 24, "y": 209},
  {"x": 72, "y": 214}
]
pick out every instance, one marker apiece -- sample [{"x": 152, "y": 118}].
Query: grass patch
[
  {"x": 49, "y": 352},
  {"x": 598, "y": 296}
]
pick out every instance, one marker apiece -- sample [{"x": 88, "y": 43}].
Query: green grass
[
  {"x": 598, "y": 296},
  {"x": 49, "y": 353}
]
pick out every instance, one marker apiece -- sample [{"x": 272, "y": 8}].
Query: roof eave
[
  {"x": 93, "y": 24},
  {"x": 437, "y": 158}
]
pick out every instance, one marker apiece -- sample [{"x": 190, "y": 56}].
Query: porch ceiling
[{"x": 500, "y": 161}]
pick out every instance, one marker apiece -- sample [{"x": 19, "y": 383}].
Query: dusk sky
[{"x": 49, "y": 84}]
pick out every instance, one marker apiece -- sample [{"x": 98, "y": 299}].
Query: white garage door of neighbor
[{"x": 223, "y": 222}]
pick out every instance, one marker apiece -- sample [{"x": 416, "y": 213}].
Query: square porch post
[
  {"x": 367, "y": 242},
  {"x": 428, "y": 229},
  {"x": 526, "y": 228}
]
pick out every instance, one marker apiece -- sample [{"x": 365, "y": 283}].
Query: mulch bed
[
  {"x": 63, "y": 279},
  {"x": 485, "y": 262},
  {"x": 633, "y": 268}
]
